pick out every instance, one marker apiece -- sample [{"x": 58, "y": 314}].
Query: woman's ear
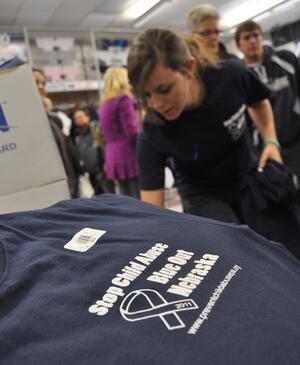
[{"x": 190, "y": 65}]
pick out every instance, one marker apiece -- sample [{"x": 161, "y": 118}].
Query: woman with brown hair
[{"x": 195, "y": 115}]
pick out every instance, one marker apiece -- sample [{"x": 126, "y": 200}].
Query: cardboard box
[{"x": 31, "y": 171}]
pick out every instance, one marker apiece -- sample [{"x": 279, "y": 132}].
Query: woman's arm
[
  {"x": 152, "y": 164},
  {"x": 155, "y": 197},
  {"x": 262, "y": 115},
  {"x": 128, "y": 117}
]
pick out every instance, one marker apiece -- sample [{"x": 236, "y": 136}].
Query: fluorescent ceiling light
[
  {"x": 151, "y": 13},
  {"x": 139, "y": 8},
  {"x": 246, "y": 10},
  {"x": 262, "y": 16},
  {"x": 277, "y": 9},
  {"x": 285, "y": 6}
]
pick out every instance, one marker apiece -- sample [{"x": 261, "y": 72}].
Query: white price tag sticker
[{"x": 84, "y": 239}]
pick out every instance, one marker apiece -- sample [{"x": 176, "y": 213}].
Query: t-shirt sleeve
[
  {"x": 253, "y": 88},
  {"x": 151, "y": 164}
]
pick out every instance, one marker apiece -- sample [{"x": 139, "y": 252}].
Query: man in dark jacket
[
  {"x": 280, "y": 71},
  {"x": 88, "y": 146}
]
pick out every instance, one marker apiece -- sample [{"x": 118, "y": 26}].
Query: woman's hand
[{"x": 270, "y": 151}]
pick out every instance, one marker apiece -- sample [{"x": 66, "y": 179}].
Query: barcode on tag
[{"x": 84, "y": 239}]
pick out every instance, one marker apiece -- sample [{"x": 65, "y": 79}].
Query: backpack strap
[{"x": 287, "y": 66}]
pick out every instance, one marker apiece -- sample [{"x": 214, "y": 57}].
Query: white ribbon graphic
[{"x": 158, "y": 307}]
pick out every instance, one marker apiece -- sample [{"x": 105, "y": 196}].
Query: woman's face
[
  {"x": 209, "y": 35},
  {"x": 167, "y": 92},
  {"x": 41, "y": 82},
  {"x": 81, "y": 119}
]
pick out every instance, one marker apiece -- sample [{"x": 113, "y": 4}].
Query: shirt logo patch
[
  {"x": 3, "y": 122},
  {"x": 236, "y": 124}
]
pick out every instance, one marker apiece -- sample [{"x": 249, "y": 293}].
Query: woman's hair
[
  {"x": 36, "y": 69},
  {"x": 40, "y": 71},
  {"x": 163, "y": 46},
  {"x": 200, "y": 13},
  {"x": 115, "y": 82},
  {"x": 47, "y": 103},
  {"x": 81, "y": 109}
]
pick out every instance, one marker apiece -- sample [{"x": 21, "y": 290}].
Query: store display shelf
[{"x": 68, "y": 86}]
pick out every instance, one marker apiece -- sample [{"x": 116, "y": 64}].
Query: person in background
[
  {"x": 48, "y": 105},
  {"x": 280, "y": 72},
  {"x": 204, "y": 22},
  {"x": 66, "y": 121},
  {"x": 194, "y": 119},
  {"x": 118, "y": 120},
  {"x": 89, "y": 149},
  {"x": 65, "y": 146},
  {"x": 224, "y": 54}
]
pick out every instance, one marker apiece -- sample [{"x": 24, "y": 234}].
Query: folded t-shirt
[{"x": 112, "y": 280}]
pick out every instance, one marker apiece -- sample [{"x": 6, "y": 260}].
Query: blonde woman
[{"x": 118, "y": 120}]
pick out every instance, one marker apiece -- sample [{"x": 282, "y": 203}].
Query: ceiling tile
[{"x": 97, "y": 20}]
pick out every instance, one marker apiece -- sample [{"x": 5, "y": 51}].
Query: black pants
[
  {"x": 95, "y": 180},
  {"x": 211, "y": 207},
  {"x": 108, "y": 186},
  {"x": 130, "y": 187}
]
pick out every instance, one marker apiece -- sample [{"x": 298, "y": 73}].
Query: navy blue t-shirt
[
  {"x": 207, "y": 144},
  {"x": 156, "y": 288}
]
